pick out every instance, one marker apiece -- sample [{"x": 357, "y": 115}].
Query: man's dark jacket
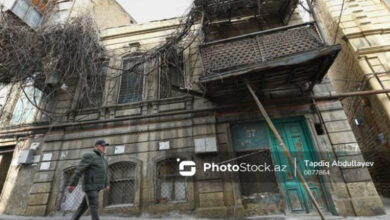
[{"x": 94, "y": 167}]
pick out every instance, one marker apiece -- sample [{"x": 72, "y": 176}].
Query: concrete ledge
[
  {"x": 36, "y": 211},
  {"x": 38, "y": 199},
  {"x": 40, "y": 188}
]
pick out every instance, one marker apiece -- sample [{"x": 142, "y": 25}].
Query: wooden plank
[{"x": 284, "y": 148}]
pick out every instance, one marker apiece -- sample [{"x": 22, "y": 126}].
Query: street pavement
[{"x": 386, "y": 203}]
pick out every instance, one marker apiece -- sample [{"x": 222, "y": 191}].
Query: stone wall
[
  {"x": 140, "y": 126},
  {"x": 364, "y": 33}
]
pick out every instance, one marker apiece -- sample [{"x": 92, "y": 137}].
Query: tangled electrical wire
[
  {"x": 53, "y": 57},
  {"x": 57, "y": 57}
]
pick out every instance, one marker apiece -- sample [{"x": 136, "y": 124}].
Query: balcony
[{"x": 281, "y": 58}]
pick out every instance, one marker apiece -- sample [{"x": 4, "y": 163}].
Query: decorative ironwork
[
  {"x": 122, "y": 185},
  {"x": 258, "y": 48}
]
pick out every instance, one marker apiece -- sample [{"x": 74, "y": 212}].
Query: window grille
[
  {"x": 70, "y": 201},
  {"x": 94, "y": 95},
  {"x": 253, "y": 183},
  {"x": 122, "y": 184},
  {"x": 171, "y": 187},
  {"x": 171, "y": 73},
  {"x": 132, "y": 81}
]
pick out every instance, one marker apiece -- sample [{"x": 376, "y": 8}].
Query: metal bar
[
  {"x": 376, "y": 75},
  {"x": 350, "y": 94},
  {"x": 284, "y": 148},
  {"x": 318, "y": 24},
  {"x": 259, "y": 33}
]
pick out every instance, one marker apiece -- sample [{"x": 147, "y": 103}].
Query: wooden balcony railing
[{"x": 234, "y": 54}]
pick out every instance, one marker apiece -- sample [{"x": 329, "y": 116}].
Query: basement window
[
  {"x": 132, "y": 80},
  {"x": 171, "y": 73},
  {"x": 122, "y": 184},
  {"x": 254, "y": 184},
  {"x": 171, "y": 186}
]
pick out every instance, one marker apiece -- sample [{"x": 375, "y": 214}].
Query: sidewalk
[
  {"x": 384, "y": 217},
  {"x": 386, "y": 203}
]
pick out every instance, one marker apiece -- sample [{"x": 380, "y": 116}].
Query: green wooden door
[{"x": 296, "y": 137}]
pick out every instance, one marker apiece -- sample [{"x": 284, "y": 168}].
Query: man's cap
[{"x": 101, "y": 142}]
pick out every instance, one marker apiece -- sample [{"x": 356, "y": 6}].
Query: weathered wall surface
[
  {"x": 106, "y": 13},
  {"x": 142, "y": 125},
  {"x": 363, "y": 64},
  {"x": 358, "y": 196}
]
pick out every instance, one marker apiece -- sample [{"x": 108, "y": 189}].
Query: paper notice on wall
[
  {"x": 45, "y": 166},
  {"x": 47, "y": 156},
  {"x": 120, "y": 149},
  {"x": 164, "y": 145}
]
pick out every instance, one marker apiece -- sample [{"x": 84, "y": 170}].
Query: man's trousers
[{"x": 91, "y": 200}]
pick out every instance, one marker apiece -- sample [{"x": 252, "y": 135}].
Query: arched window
[
  {"x": 70, "y": 201},
  {"x": 122, "y": 184},
  {"x": 171, "y": 186}
]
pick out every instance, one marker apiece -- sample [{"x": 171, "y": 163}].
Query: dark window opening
[
  {"x": 319, "y": 128},
  {"x": 5, "y": 162},
  {"x": 132, "y": 81},
  {"x": 254, "y": 184},
  {"x": 171, "y": 73},
  {"x": 93, "y": 96}
]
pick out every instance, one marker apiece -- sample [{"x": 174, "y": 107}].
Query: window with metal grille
[
  {"x": 132, "y": 81},
  {"x": 254, "y": 183},
  {"x": 122, "y": 184},
  {"x": 171, "y": 73},
  {"x": 171, "y": 186},
  {"x": 93, "y": 96},
  {"x": 70, "y": 201}
]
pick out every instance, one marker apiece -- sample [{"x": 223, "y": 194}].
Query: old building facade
[
  {"x": 363, "y": 64},
  {"x": 192, "y": 105}
]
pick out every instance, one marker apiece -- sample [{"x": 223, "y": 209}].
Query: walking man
[{"x": 94, "y": 167}]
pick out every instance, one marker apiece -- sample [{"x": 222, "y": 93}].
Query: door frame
[{"x": 308, "y": 135}]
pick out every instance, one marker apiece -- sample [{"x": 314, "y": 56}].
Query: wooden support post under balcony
[{"x": 284, "y": 148}]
